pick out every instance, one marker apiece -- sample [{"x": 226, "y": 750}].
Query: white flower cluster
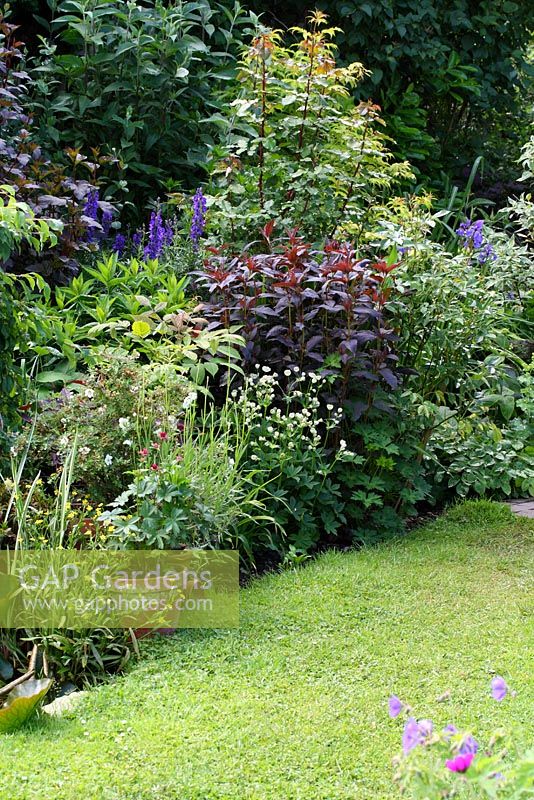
[
  {"x": 189, "y": 400},
  {"x": 285, "y": 422}
]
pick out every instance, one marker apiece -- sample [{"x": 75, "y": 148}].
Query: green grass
[{"x": 294, "y": 704}]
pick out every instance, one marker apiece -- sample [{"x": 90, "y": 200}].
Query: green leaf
[
  {"x": 21, "y": 703},
  {"x": 507, "y": 406}
]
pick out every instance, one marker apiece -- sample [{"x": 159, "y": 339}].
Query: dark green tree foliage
[
  {"x": 444, "y": 71},
  {"x": 136, "y": 79}
]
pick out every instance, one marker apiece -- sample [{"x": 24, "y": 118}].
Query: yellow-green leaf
[
  {"x": 21, "y": 703},
  {"x": 140, "y": 328}
]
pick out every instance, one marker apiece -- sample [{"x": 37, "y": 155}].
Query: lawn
[{"x": 293, "y": 706}]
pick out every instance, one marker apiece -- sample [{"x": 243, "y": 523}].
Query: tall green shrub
[
  {"x": 136, "y": 80},
  {"x": 295, "y": 147}
]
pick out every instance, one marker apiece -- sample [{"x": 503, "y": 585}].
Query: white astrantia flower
[
  {"x": 108, "y": 460},
  {"x": 89, "y": 393},
  {"x": 124, "y": 424},
  {"x": 189, "y": 400}
]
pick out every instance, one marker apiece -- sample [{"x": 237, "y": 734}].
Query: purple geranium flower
[
  {"x": 411, "y": 736},
  {"x": 425, "y": 728},
  {"x": 449, "y": 731},
  {"x": 499, "y": 688},
  {"x": 468, "y": 746},
  {"x": 395, "y": 706},
  {"x": 460, "y": 763}
]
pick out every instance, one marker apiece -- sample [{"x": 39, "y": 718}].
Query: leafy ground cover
[{"x": 294, "y": 703}]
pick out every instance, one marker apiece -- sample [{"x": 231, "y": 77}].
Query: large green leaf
[{"x": 21, "y": 703}]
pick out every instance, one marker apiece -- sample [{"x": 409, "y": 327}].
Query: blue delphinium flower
[
  {"x": 198, "y": 221},
  {"x": 119, "y": 244},
  {"x": 156, "y": 236}
]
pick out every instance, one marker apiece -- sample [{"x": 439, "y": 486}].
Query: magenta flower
[
  {"x": 499, "y": 688},
  {"x": 460, "y": 763},
  {"x": 411, "y": 736},
  {"x": 395, "y": 706}
]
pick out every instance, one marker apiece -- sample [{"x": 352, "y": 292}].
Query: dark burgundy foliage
[{"x": 322, "y": 310}]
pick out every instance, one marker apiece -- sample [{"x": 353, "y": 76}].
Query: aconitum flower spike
[
  {"x": 119, "y": 244},
  {"x": 198, "y": 221},
  {"x": 91, "y": 204},
  {"x": 107, "y": 218},
  {"x": 156, "y": 236}
]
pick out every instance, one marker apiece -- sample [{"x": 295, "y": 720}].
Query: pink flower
[
  {"x": 460, "y": 763},
  {"x": 143, "y": 453},
  {"x": 154, "y": 467},
  {"x": 155, "y": 445},
  {"x": 163, "y": 435}
]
